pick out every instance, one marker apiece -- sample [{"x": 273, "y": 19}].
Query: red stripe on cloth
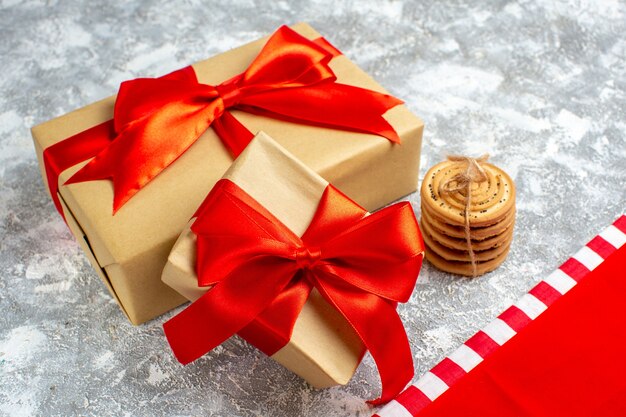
[
  {"x": 545, "y": 293},
  {"x": 515, "y": 318},
  {"x": 621, "y": 224},
  {"x": 574, "y": 269},
  {"x": 413, "y": 399},
  {"x": 601, "y": 247},
  {"x": 482, "y": 344},
  {"x": 448, "y": 371}
]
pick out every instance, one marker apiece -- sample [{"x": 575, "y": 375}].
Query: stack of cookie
[{"x": 467, "y": 237}]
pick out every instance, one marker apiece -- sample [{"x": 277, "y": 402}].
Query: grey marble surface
[{"x": 539, "y": 85}]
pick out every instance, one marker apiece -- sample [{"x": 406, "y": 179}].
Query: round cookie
[
  {"x": 463, "y": 255},
  {"x": 491, "y": 200},
  {"x": 476, "y": 233},
  {"x": 464, "y": 268},
  {"x": 460, "y": 242}
]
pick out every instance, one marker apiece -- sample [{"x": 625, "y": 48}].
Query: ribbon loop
[{"x": 362, "y": 265}]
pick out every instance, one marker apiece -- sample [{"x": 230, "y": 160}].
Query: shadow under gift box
[
  {"x": 324, "y": 349},
  {"x": 129, "y": 249}
]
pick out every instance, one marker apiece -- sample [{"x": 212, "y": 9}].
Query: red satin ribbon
[
  {"x": 157, "y": 119},
  {"x": 262, "y": 274}
]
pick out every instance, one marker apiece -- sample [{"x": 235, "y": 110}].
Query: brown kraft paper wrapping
[
  {"x": 324, "y": 349},
  {"x": 130, "y": 248}
]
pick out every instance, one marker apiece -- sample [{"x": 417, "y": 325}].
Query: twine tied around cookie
[{"x": 473, "y": 174}]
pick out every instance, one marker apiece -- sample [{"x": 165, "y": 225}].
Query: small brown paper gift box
[
  {"x": 324, "y": 349},
  {"x": 130, "y": 248}
]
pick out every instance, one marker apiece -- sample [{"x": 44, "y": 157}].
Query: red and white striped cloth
[{"x": 456, "y": 365}]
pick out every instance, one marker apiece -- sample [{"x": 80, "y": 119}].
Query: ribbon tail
[
  {"x": 378, "y": 325},
  {"x": 234, "y": 135},
  {"x": 327, "y": 104},
  {"x": 226, "y": 308},
  {"x": 272, "y": 329}
]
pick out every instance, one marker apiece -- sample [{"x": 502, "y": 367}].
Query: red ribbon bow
[
  {"x": 261, "y": 271},
  {"x": 157, "y": 119}
]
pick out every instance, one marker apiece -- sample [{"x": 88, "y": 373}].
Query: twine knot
[{"x": 474, "y": 173}]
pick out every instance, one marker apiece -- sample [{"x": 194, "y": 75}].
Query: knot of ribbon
[
  {"x": 261, "y": 271},
  {"x": 462, "y": 182},
  {"x": 157, "y": 119},
  {"x": 230, "y": 93},
  {"x": 307, "y": 257}
]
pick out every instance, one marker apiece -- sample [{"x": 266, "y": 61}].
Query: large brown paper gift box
[
  {"x": 324, "y": 349},
  {"x": 129, "y": 249}
]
